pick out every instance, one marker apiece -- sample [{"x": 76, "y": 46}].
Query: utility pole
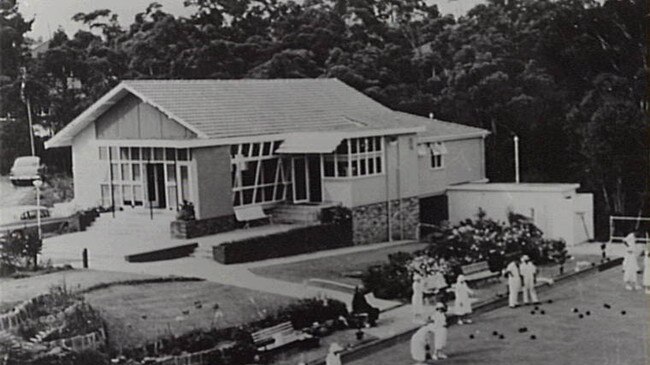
[
  {"x": 516, "y": 140},
  {"x": 23, "y": 76}
]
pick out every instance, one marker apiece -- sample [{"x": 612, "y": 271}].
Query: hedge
[{"x": 336, "y": 231}]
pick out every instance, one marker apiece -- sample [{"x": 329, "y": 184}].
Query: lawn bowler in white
[
  {"x": 439, "y": 332},
  {"x": 528, "y": 273},
  {"x": 419, "y": 341},
  {"x": 514, "y": 282},
  {"x": 462, "y": 304},
  {"x": 417, "y": 299},
  {"x": 334, "y": 354},
  {"x": 646, "y": 268},
  {"x": 630, "y": 263}
]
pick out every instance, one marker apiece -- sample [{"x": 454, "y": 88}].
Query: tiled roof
[
  {"x": 230, "y": 108},
  {"x": 218, "y": 109}
]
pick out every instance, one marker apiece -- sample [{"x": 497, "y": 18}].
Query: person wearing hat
[
  {"x": 439, "y": 331},
  {"x": 419, "y": 341},
  {"x": 630, "y": 264},
  {"x": 334, "y": 354},
  {"x": 514, "y": 282},
  {"x": 528, "y": 273},
  {"x": 462, "y": 305}
]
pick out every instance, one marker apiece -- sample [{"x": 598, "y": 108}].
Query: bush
[
  {"x": 391, "y": 280},
  {"x": 471, "y": 241},
  {"x": 292, "y": 242}
]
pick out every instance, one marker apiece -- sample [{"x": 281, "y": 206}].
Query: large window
[
  {"x": 258, "y": 175},
  {"x": 355, "y": 157},
  {"x": 124, "y": 181}
]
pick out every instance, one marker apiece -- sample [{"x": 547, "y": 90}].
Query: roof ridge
[
  {"x": 439, "y": 121},
  {"x": 329, "y": 79}
]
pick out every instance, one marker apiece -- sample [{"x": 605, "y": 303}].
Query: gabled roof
[{"x": 219, "y": 109}]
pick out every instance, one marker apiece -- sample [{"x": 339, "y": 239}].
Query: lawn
[
  {"x": 137, "y": 314},
  {"x": 13, "y": 291},
  {"x": 333, "y": 267},
  {"x": 606, "y": 336}
]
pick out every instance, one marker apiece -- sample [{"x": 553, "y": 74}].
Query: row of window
[
  {"x": 355, "y": 157},
  {"x": 254, "y": 150},
  {"x": 144, "y": 154}
]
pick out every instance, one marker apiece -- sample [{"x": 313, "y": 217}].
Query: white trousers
[
  {"x": 529, "y": 291},
  {"x": 513, "y": 292}
]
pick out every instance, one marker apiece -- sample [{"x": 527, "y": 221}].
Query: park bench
[
  {"x": 249, "y": 214},
  {"x": 478, "y": 271},
  {"x": 277, "y": 336}
]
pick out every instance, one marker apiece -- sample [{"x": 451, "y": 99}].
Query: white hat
[
  {"x": 525, "y": 258},
  {"x": 440, "y": 305},
  {"x": 460, "y": 278}
]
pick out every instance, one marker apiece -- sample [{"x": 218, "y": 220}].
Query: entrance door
[
  {"x": 156, "y": 185},
  {"x": 313, "y": 169},
  {"x": 300, "y": 179}
]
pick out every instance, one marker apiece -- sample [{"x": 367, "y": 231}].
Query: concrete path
[{"x": 110, "y": 238}]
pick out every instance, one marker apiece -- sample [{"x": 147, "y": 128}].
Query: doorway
[
  {"x": 300, "y": 179},
  {"x": 313, "y": 171},
  {"x": 156, "y": 185}
]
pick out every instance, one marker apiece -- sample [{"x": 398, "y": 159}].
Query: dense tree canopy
[{"x": 566, "y": 76}]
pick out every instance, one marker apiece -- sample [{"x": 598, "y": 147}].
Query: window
[
  {"x": 124, "y": 180},
  {"x": 436, "y": 152},
  {"x": 257, "y": 175},
  {"x": 365, "y": 158}
]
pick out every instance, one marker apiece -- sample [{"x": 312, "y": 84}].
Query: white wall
[
  {"x": 87, "y": 169},
  {"x": 555, "y": 213},
  {"x": 464, "y": 162}
]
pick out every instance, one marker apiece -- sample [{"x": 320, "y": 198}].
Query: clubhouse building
[{"x": 282, "y": 147}]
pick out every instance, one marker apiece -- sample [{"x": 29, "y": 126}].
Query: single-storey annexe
[{"x": 282, "y": 145}]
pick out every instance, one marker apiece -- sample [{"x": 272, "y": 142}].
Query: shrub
[
  {"x": 470, "y": 241},
  {"x": 292, "y": 242},
  {"x": 391, "y": 280}
]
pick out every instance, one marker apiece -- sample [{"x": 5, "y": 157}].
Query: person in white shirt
[
  {"x": 419, "y": 341},
  {"x": 514, "y": 282},
  {"x": 462, "y": 305},
  {"x": 630, "y": 263},
  {"x": 439, "y": 332},
  {"x": 528, "y": 272},
  {"x": 417, "y": 300}
]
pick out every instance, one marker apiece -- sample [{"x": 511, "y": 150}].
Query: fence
[
  {"x": 91, "y": 340},
  {"x": 627, "y": 225}
]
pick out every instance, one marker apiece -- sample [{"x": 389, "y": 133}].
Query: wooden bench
[
  {"x": 249, "y": 214},
  {"x": 278, "y": 336},
  {"x": 478, "y": 271}
]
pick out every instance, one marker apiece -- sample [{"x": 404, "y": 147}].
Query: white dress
[
  {"x": 462, "y": 305},
  {"x": 418, "y": 297},
  {"x": 439, "y": 330},
  {"x": 630, "y": 266},
  {"x": 333, "y": 359},
  {"x": 646, "y": 269},
  {"x": 419, "y": 341}
]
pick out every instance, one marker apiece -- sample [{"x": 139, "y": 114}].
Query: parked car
[
  {"x": 25, "y": 170},
  {"x": 24, "y": 218}
]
